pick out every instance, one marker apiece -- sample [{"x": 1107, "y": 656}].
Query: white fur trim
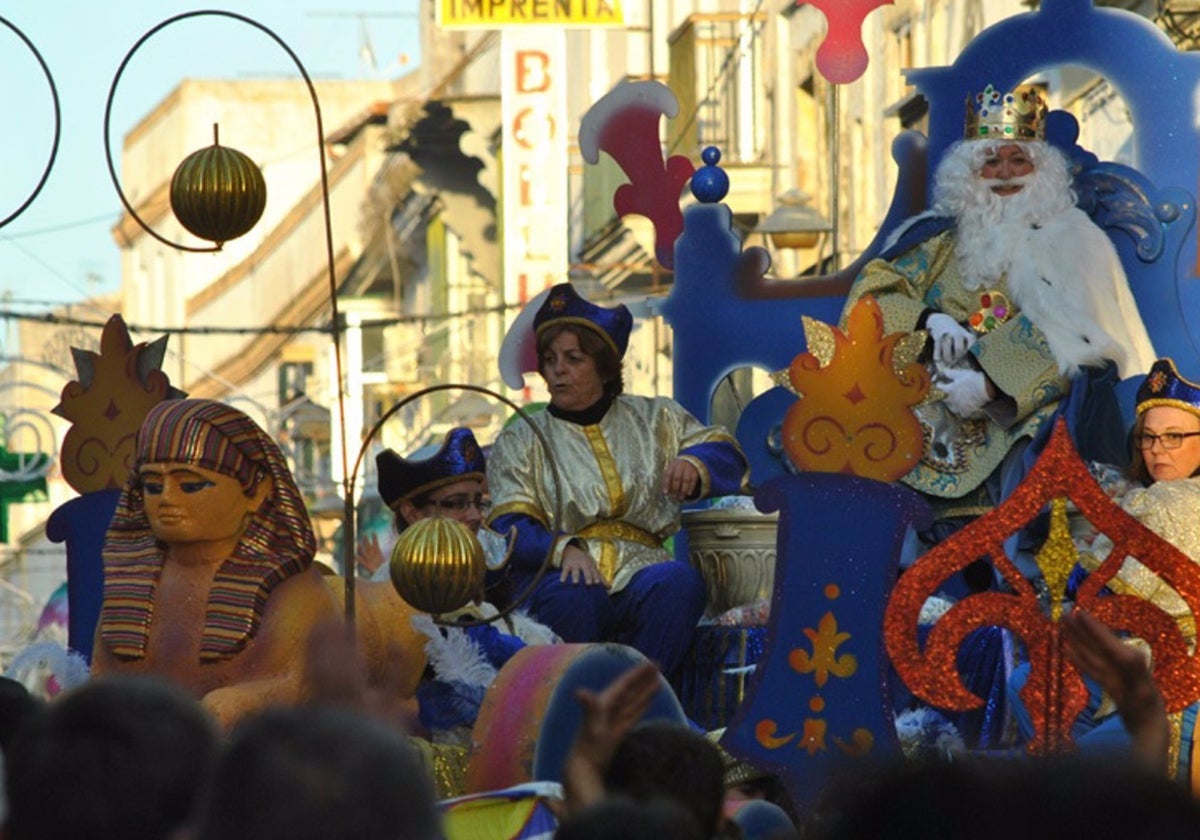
[
  {"x": 1067, "y": 278},
  {"x": 902, "y": 228}
]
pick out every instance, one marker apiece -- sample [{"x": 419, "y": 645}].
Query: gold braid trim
[
  {"x": 1174, "y": 745},
  {"x": 519, "y": 507}
]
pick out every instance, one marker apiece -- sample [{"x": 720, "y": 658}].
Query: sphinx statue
[{"x": 209, "y": 577}]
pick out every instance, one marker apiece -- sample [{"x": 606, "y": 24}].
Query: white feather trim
[
  {"x": 453, "y": 655},
  {"x": 47, "y": 668},
  {"x": 924, "y": 732},
  {"x": 529, "y": 631}
]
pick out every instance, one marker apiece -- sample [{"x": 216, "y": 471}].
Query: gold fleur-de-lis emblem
[{"x": 824, "y": 659}]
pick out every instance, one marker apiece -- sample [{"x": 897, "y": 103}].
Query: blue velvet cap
[
  {"x": 1164, "y": 386},
  {"x": 400, "y": 478},
  {"x": 565, "y": 306}
]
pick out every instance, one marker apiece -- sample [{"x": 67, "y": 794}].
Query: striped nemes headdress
[{"x": 278, "y": 541}]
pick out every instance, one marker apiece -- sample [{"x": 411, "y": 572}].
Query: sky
[{"x": 59, "y": 249}]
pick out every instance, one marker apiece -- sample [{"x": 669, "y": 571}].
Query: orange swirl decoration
[
  {"x": 854, "y": 415},
  {"x": 106, "y": 406}
]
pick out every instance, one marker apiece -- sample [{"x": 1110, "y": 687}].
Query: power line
[
  {"x": 111, "y": 218},
  {"x": 66, "y": 320}
]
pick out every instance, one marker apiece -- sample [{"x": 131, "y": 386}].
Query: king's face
[{"x": 1005, "y": 164}]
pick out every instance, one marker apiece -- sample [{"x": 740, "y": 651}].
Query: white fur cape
[{"x": 1067, "y": 278}]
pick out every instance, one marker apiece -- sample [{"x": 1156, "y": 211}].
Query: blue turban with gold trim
[
  {"x": 565, "y": 306},
  {"x": 1164, "y": 386},
  {"x": 459, "y": 459}
]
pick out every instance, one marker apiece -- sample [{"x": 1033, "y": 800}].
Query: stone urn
[{"x": 735, "y": 551}]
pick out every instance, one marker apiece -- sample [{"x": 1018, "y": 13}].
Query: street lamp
[
  {"x": 328, "y": 513},
  {"x": 794, "y": 224}
]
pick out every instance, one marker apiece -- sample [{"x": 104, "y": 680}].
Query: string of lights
[{"x": 67, "y": 320}]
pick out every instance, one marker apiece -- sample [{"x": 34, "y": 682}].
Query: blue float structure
[{"x": 820, "y": 694}]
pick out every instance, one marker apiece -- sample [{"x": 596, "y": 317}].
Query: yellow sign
[{"x": 496, "y": 14}]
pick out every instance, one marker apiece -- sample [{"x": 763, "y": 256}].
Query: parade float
[{"x": 846, "y": 631}]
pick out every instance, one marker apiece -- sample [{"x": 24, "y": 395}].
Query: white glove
[
  {"x": 951, "y": 340},
  {"x": 965, "y": 390}
]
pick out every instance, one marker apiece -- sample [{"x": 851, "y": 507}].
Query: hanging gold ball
[
  {"x": 437, "y": 565},
  {"x": 218, "y": 193}
]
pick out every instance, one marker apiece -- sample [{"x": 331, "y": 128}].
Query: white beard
[{"x": 992, "y": 227}]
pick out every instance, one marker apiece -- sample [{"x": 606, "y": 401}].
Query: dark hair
[
  {"x": 120, "y": 756},
  {"x": 622, "y": 818},
  {"x": 1137, "y": 470},
  {"x": 608, "y": 363},
  {"x": 1067, "y": 796},
  {"x": 314, "y": 773},
  {"x": 418, "y": 501},
  {"x": 17, "y": 706},
  {"x": 671, "y": 761}
]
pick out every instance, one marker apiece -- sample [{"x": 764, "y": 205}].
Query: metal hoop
[
  {"x": 335, "y": 317},
  {"x": 349, "y": 527},
  {"x": 57, "y": 124}
]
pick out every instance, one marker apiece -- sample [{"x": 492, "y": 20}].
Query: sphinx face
[{"x": 187, "y": 504}]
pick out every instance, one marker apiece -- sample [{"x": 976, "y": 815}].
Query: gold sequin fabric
[
  {"x": 611, "y": 472},
  {"x": 1013, "y": 354}
]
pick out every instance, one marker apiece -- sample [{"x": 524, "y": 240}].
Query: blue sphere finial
[{"x": 710, "y": 183}]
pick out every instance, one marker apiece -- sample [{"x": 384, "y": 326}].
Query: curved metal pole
[
  {"x": 349, "y": 530},
  {"x": 57, "y": 124},
  {"x": 336, "y": 328}
]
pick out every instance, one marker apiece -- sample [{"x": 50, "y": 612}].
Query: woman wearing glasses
[
  {"x": 463, "y": 662},
  {"x": 1162, "y": 491},
  {"x": 1165, "y": 475}
]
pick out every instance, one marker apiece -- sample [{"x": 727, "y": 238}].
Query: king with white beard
[{"x": 1018, "y": 290}]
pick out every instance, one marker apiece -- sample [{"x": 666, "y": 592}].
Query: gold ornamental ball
[
  {"x": 218, "y": 193},
  {"x": 437, "y": 565}
]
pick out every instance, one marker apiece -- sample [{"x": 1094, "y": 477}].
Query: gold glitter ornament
[
  {"x": 1057, "y": 556},
  {"x": 437, "y": 565},
  {"x": 218, "y": 193},
  {"x": 854, "y": 414}
]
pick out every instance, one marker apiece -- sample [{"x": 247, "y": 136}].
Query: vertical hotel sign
[{"x": 533, "y": 106}]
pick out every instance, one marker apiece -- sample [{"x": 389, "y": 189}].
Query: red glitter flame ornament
[{"x": 1055, "y": 693}]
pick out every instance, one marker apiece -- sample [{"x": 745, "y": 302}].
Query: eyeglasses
[
  {"x": 459, "y": 504},
  {"x": 1169, "y": 440}
]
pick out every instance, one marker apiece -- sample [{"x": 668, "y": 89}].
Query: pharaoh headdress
[{"x": 278, "y": 541}]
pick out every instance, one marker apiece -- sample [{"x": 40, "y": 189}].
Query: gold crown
[{"x": 996, "y": 115}]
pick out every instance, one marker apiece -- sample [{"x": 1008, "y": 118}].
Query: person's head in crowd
[
  {"x": 317, "y": 773},
  {"x": 666, "y": 760},
  {"x": 1166, "y": 434},
  {"x": 17, "y": 705},
  {"x": 746, "y": 783},
  {"x": 450, "y": 482},
  {"x": 624, "y": 818},
  {"x": 580, "y": 346},
  {"x": 1004, "y": 798},
  {"x": 119, "y": 756},
  {"x": 758, "y": 819}
]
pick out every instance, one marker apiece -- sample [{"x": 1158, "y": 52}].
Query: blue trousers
[{"x": 656, "y": 613}]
